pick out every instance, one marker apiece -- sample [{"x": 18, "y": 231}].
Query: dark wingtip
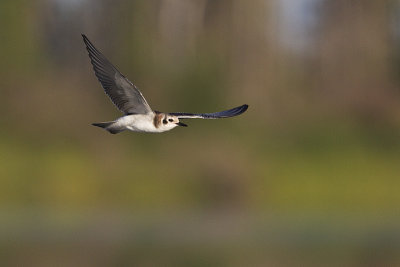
[
  {"x": 85, "y": 39},
  {"x": 241, "y": 109}
]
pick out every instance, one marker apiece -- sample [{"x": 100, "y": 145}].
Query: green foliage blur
[{"x": 308, "y": 176}]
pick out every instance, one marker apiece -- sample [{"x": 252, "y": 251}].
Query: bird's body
[
  {"x": 149, "y": 123},
  {"x": 139, "y": 123},
  {"x": 139, "y": 117}
]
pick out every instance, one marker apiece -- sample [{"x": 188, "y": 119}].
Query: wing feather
[
  {"x": 122, "y": 92},
  {"x": 216, "y": 115}
]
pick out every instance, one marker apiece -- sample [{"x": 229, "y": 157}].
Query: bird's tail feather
[{"x": 109, "y": 126}]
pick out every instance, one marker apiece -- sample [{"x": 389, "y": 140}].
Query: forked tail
[{"x": 109, "y": 126}]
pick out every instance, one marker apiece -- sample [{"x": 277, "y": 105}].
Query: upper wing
[
  {"x": 123, "y": 93},
  {"x": 217, "y": 115}
]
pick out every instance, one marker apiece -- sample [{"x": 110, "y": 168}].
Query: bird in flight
[{"x": 138, "y": 116}]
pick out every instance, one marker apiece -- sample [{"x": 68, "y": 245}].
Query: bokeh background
[{"x": 308, "y": 176}]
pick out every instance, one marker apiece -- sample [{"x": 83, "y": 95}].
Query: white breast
[{"x": 140, "y": 123}]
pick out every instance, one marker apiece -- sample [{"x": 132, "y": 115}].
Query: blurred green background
[{"x": 308, "y": 176}]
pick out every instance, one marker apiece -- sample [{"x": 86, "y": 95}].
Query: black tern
[{"x": 138, "y": 116}]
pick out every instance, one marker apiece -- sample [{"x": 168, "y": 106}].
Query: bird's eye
[
  {"x": 170, "y": 120},
  {"x": 164, "y": 121}
]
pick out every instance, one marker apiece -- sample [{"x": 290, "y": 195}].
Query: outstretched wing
[
  {"x": 217, "y": 115},
  {"x": 122, "y": 92}
]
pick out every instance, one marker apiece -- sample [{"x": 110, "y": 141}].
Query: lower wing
[{"x": 217, "y": 115}]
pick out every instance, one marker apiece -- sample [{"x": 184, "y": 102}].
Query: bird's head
[{"x": 168, "y": 122}]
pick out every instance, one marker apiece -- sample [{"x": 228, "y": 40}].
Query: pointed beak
[{"x": 181, "y": 124}]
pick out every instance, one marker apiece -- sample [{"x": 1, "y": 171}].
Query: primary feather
[
  {"x": 122, "y": 92},
  {"x": 216, "y": 115}
]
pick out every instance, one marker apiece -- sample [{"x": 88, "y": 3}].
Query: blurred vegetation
[{"x": 308, "y": 175}]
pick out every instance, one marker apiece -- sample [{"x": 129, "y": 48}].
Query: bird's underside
[{"x": 138, "y": 116}]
